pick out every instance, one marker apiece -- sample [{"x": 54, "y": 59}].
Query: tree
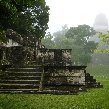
[
  {"x": 34, "y": 20},
  {"x": 104, "y": 37},
  {"x": 9, "y": 10},
  {"x": 60, "y": 34},
  {"x": 48, "y": 42},
  {"x": 82, "y": 48},
  {"x": 28, "y": 18},
  {"x": 58, "y": 40},
  {"x": 81, "y": 33},
  {"x": 75, "y": 38}
]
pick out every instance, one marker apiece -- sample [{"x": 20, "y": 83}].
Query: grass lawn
[{"x": 93, "y": 99}]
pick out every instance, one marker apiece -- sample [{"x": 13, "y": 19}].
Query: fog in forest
[
  {"x": 54, "y": 54},
  {"x": 67, "y": 14}
]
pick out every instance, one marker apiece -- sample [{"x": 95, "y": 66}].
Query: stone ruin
[{"x": 36, "y": 69}]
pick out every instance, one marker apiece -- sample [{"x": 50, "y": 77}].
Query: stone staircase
[
  {"x": 30, "y": 80},
  {"x": 91, "y": 82},
  {"x": 22, "y": 79}
]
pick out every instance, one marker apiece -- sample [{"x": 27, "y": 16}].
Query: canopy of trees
[
  {"x": 75, "y": 38},
  {"x": 27, "y": 17}
]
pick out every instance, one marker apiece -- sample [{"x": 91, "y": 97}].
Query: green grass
[{"x": 93, "y": 99}]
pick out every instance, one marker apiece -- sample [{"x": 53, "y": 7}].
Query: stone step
[
  {"x": 25, "y": 69},
  {"x": 27, "y": 66},
  {"x": 4, "y": 87},
  {"x": 19, "y": 81},
  {"x": 20, "y": 74},
  {"x": 20, "y": 77},
  {"x": 20, "y": 91},
  {"x": 87, "y": 74},
  {"x": 94, "y": 85},
  {"x": 91, "y": 80}
]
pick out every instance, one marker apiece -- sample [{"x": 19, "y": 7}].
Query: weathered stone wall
[
  {"x": 64, "y": 76},
  {"x": 16, "y": 55}
]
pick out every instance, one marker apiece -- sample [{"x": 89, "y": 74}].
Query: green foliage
[
  {"x": 47, "y": 41},
  {"x": 103, "y": 46},
  {"x": 27, "y": 17},
  {"x": 81, "y": 32},
  {"x": 64, "y": 43},
  {"x": 90, "y": 47},
  {"x": 10, "y": 9},
  {"x": 92, "y": 99},
  {"x": 3, "y": 38},
  {"x": 59, "y": 35},
  {"x": 75, "y": 38},
  {"x": 104, "y": 37},
  {"x": 83, "y": 48},
  {"x": 33, "y": 21}
]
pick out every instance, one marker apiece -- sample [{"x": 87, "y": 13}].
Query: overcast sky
[{"x": 75, "y": 12}]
